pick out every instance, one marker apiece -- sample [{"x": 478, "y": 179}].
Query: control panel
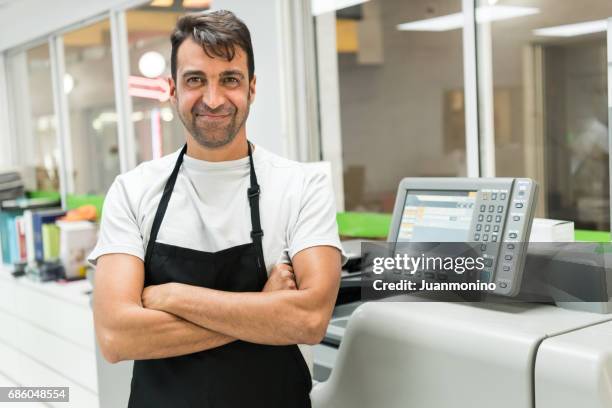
[{"x": 493, "y": 215}]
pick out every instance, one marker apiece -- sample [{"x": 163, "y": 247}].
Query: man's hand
[
  {"x": 156, "y": 296},
  {"x": 281, "y": 278}
]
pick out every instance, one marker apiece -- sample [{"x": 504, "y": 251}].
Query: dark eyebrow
[
  {"x": 232, "y": 72},
  {"x": 194, "y": 72}
]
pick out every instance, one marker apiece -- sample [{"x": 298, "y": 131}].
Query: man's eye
[
  {"x": 231, "y": 80},
  {"x": 194, "y": 81}
]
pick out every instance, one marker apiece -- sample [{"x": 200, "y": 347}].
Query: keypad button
[
  {"x": 506, "y": 268},
  {"x": 519, "y": 205},
  {"x": 477, "y": 237},
  {"x": 494, "y": 238},
  {"x": 510, "y": 246},
  {"x": 487, "y": 228},
  {"x": 480, "y": 217},
  {"x": 489, "y": 218},
  {"x": 488, "y": 261},
  {"x": 485, "y": 196},
  {"x": 483, "y": 208},
  {"x": 502, "y": 284},
  {"x": 498, "y": 218},
  {"x": 502, "y": 196},
  {"x": 478, "y": 227},
  {"x": 483, "y": 247},
  {"x": 491, "y": 208},
  {"x": 496, "y": 228},
  {"x": 513, "y": 235},
  {"x": 500, "y": 208},
  {"x": 493, "y": 196},
  {"x": 485, "y": 237},
  {"x": 516, "y": 218},
  {"x": 508, "y": 257}
]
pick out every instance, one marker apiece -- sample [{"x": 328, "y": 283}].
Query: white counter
[{"x": 47, "y": 337}]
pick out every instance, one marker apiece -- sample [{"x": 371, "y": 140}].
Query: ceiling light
[
  {"x": 137, "y": 116},
  {"x": 152, "y": 64},
  {"x": 203, "y": 4},
  {"x": 325, "y": 6},
  {"x": 166, "y": 114},
  {"x": 68, "y": 83},
  {"x": 484, "y": 14},
  {"x": 442, "y": 23},
  {"x": 162, "y": 3},
  {"x": 572, "y": 30}
]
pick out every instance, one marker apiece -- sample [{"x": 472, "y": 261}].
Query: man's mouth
[{"x": 210, "y": 116}]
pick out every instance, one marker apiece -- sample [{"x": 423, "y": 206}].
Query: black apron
[{"x": 239, "y": 374}]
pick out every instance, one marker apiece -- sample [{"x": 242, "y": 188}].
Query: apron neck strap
[
  {"x": 163, "y": 205},
  {"x": 256, "y": 231}
]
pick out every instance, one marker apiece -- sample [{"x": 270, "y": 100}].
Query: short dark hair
[{"x": 218, "y": 32}]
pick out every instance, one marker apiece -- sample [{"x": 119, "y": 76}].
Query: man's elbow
[
  {"x": 316, "y": 326},
  {"x": 109, "y": 346}
]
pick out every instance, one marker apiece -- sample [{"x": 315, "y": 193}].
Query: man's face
[{"x": 212, "y": 95}]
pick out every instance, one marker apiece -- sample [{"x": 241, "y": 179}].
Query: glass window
[
  {"x": 88, "y": 83},
  {"x": 543, "y": 100},
  {"x": 400, "y": 74},
  {"x": 32, "y": 110},
  {"x": 157, "y": 129}
]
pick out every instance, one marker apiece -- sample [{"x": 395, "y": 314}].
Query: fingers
[
  {"x": 291, "y": 285},
  {"x": 281, "y": 277},
  {"x": 287, "y": 274},
  {"x": 288, "y": 278},
  {"x": 283, "y": 267}
]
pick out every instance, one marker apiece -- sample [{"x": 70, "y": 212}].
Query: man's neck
[{"x": 235, "y": 150}]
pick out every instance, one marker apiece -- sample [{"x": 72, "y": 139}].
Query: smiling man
[{"x": 215, "y": 262}]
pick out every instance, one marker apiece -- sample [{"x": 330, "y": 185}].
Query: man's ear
[
  {"x": 252, "y": 89},
  {"x": 172, "y": 87}
]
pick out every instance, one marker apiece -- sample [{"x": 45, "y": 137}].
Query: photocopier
[{"x": 543, "y": 339}]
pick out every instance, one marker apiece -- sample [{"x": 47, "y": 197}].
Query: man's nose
[{"x": 213, "y": 96}]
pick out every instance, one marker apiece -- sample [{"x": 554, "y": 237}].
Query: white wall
[
  {"x": 393, "y": 112},
  {"x": 6, "y": 143}
]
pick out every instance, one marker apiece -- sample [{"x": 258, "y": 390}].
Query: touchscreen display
[{"x": 437, "y": 216}]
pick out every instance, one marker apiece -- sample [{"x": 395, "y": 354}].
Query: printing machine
[{"x": 546, "y": 345}]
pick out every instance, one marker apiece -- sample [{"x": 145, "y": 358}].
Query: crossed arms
[{"x": 135, "y": 323}]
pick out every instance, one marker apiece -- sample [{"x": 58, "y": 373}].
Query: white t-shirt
[{"x": 209, "y": 210}]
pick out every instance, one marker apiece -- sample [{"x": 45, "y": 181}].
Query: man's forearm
[
  {"x": 137, "y": 333},
  {"x": 279, "y": 317}
]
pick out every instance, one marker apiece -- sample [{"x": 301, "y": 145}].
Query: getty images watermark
[
  {"x": 393, "y": 268},
  {"x": 546, "y": 272},
  {"x": 402, "y": 264}
]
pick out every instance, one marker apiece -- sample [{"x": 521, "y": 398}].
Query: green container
[
  {"x": 76, "y": 201},
  {"x": 592, "y": 236},
  {"x": 363, "y": 225}
]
